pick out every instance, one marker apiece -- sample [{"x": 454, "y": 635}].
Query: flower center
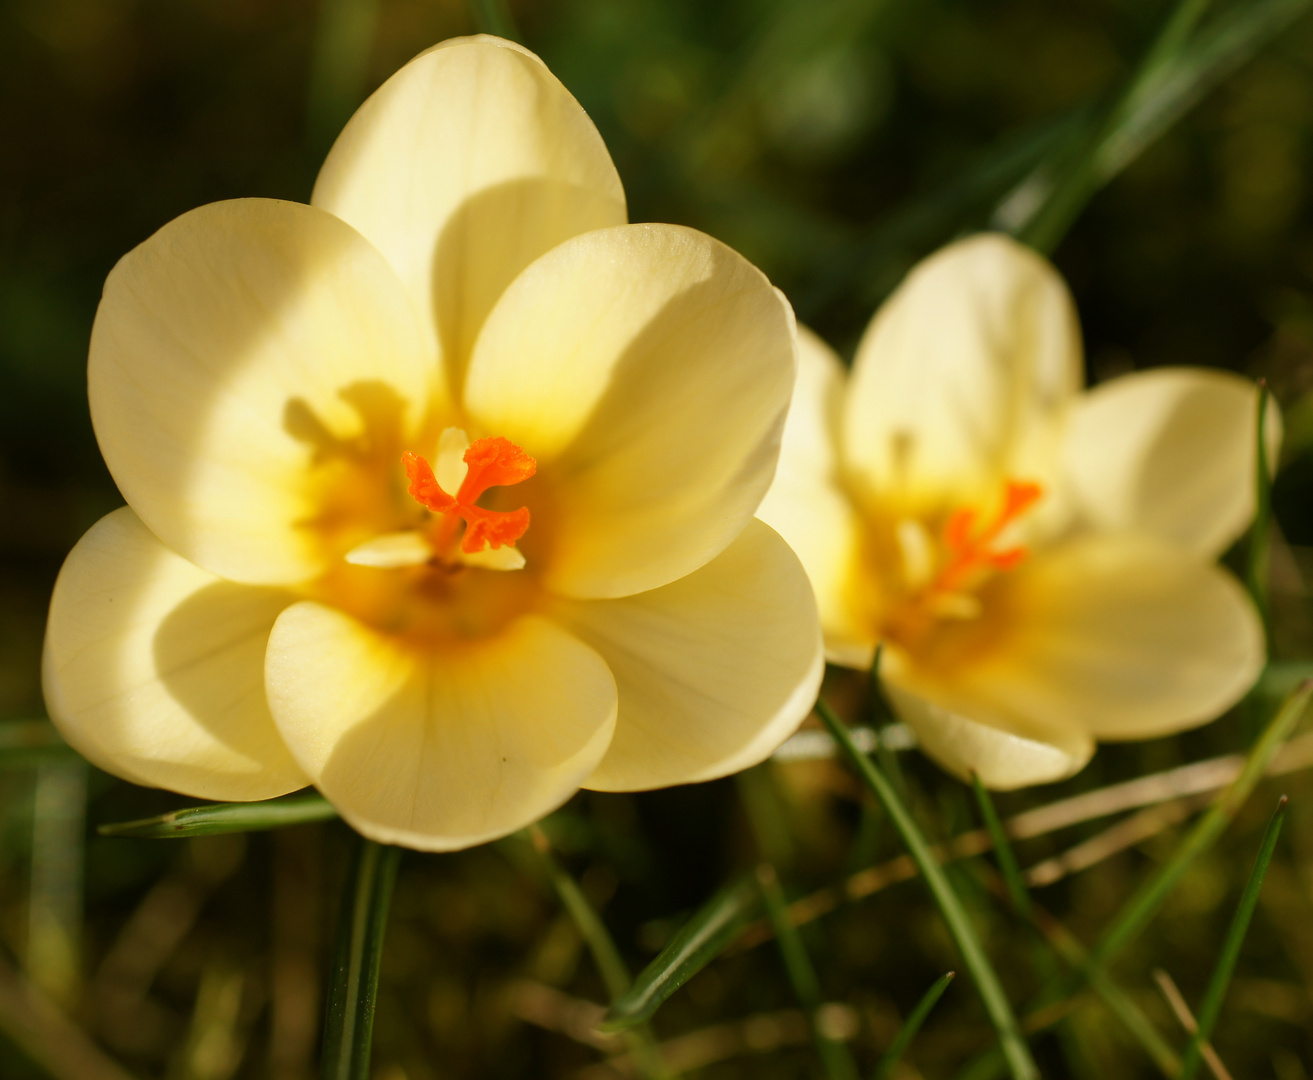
[
  {"x": 940, "y": 582},
  {"x": 491, "y": 462}
]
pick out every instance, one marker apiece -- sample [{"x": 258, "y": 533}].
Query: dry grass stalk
[{"x": 1182, "y": 1012}]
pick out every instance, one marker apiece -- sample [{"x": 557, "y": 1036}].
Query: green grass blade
[
  {"x": 1177, "y": 70},
  {"x": 1007, "y": 861},
  {"x": 494, "y": 17},
  {"x": 982, "y": 972},
  {"x": 353, "y": 988},
  {"x": 885, "y": 1066},
  {"x": 610, "y": 964},
  {"x": 1235, "y": 937},
  {"x": 1145, "y": 902},
  {"x": 226, "y": 818},
  {"x": 699, "y": 941},
  {"x": 835, "y": 1059},
  {"x": 1258, "y": 553}
]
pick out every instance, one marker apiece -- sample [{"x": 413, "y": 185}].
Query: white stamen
[
  {"x": 391, "y": 551},
  {"x": 449, "y": 468},
  {"x": 505, "y": 557},
  {"x": 917, "y": 552}
]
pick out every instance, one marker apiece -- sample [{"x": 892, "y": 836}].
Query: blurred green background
[{"x": 833, "y": 142}]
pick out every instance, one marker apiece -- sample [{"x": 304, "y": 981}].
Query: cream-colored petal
[
  {"x": 714, "y": 670},
  {"x": 438, "y": 749},
  {"x": 464, "y": 167},
  {"x": 648, "y": 369},
  {"x": 241, "y": 355},
  {"x": 154, "y": 669},
  {"x": 1172, "y": 452},
  {"x": 807, "y": 506},
  {"x": 1002, "y": 760},
  {"x": 1118, "y": 636},
  {"x": 963, "y": 376}
]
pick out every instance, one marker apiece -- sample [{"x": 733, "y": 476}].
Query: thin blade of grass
[
  {"x": 28, "y": 743},
  {"x": 494, "y": 17},
  {"x": 353, "y": 988},
  {"x": 1231, "y": 945},
  {"x": 885, "y": 1066},
  {"x": 1258, "y": 553},
  {"x": 835, "y": 1059},
  {"x": 226, "y": 818},
  {"x": 1007, "y": 860},
  {"x": 610, "y": 965},
  {"x": 987, "y": 982},
  {"x": 700, "y": 940},
  {"x": 1177, "y": 70},
  {"x": 1145, "y": 902}
]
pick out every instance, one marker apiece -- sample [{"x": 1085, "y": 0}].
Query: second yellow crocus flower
[{"x": 1037, "y": 563}]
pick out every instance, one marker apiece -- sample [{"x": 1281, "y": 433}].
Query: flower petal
[
  {"x": 154, "y": 669},
  {"x": 647, "y": 368},
  {"x": 464, "y": 167},
  {"x": 714, "y": 671},
  {"x": 1170, "y": 451},
  {"x": 962, "y": 376},
  {"x": 244, "y": 349},
  {"x": 1002, "y": 760},
  {"x": 1117, "y": 636},
  {"x": 438, "y": 750},
  {"x": 806, "y": 505}
]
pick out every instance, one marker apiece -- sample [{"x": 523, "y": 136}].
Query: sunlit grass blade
[
  {"x": 353, "y": 988},
  {"x": 1259, "y": 550},
  {"x": 494, "y": 17},
  {"x": 982, "y": 972},
  {"x": 1235, "y": 937},
  {"x": 226, "y": 818},
  {"x": 1146, "y": 901},
  {"x": 835, "y": 1059},
  {"x": 54, "y": 910},
  {"x": 606, "y": 956},
  {"x": 1178, "y": 69},
  {"x": 699, "y": 941},
  {"x": 885, "y": 1066}
]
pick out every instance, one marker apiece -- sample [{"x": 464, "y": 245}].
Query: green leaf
[
  {"x": 986, "y": 978},
  {"x": 885, "y": 1066},
  {"x": 353, "y": 988},
  {"x": 1235, "y": 937},
  {"x": 835, "y": 1059},
  {"x": 1146, "y": 901},
  {"x": 642, "y": 1045},
  {"x": 227, "y": 818},
  {"x": 1177, "y": 70},
  {"x": 699, "y": 941}
]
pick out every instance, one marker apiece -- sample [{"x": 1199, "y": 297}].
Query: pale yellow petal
[
  {"x": 464, "y": 167},
  {"x": 1170, "y": 451},
  {"x": 154, "y": 669},
  {"x": 714, "y": 671},
  {"x": 963, "y": 376},
  {"x": 648, "y": 369},
  {"x": 241, "y": 351},
  {"x": 1117, "y": 636},
  {"x": 1002, "y": 760},
  {"x": 438, "y": 749},
  {"x": 807, "y": 506}
]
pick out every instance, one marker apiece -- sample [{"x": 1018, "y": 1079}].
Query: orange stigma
[
  {"x": 970, "y": 551},
  {"x": 493, "y": 462}
]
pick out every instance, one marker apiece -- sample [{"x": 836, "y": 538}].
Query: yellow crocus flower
[
  {"x": 1037, "y": 563},
  {"x": 440, "y": 489}
]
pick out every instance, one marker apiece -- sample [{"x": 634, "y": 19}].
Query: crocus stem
[
  {"x": 959, "y": 925},
  {"x": 353, "y": 989}
]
